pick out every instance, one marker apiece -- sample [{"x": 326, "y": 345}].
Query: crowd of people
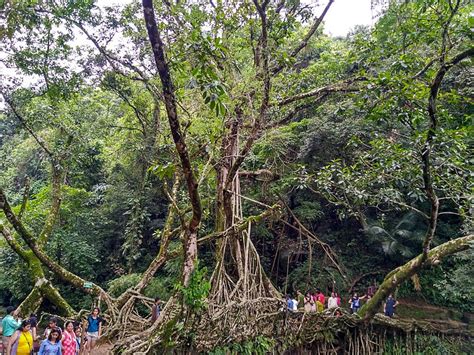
[
  {"x": 19, "y": 337},
  {"x": 317, "y": 302}
]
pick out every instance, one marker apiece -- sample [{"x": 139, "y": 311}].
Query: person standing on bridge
[
  {"x": 21, "y": 342},
  {"x": 156, "y": 310},
  {"x": 94, "y": 329},
  {"x": 68, "y": 339},
  {"x": 332, "y": 301},
  {"x": 389, "y": 306},
  {"x": 321, "y": 298},
  {"x": 300, "y": 297},
  {"x": 52, "y": 324},
  {"x": 355, "y": 302},
  {"x": 51, "y": 345},
  {"x": 309, "y": 303}
]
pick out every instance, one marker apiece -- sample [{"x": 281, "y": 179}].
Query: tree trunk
[
  {"x": 43, "y": 288},
  {"x": 190, "y": 235},
  {"x": 403, "y": 273}
]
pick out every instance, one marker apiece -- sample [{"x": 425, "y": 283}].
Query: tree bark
[
  {"x": 190, "y": 234},
  {"x": 42, "y": 288},
  {"x": 427, "y": 147},
  {"x": 404, "y": 272}
]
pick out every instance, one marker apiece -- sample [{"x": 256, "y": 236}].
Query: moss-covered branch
[
  {"x": 404, "y": 272},
  {"x": 30, "y": 240},
  {"x": 273, "y": 210},
  {"x": 31, "y": 303},
  {"x": 43, "y": 288}
]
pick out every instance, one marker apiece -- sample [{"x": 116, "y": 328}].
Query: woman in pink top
[{"x": 68, "y": 340}]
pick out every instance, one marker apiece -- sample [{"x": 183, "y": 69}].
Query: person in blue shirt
[
  {"x": 289, "y": 303},
  {"x": 389, "y": 306},
  {"x": 52, "y": 345},
  {"x": 9, "y": 325},
  {"x": 94, "y": 329},
  {"x": 355, "y": 302}
]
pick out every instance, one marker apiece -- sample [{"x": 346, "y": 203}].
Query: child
[
  {"x": 78, "y": 332},
  {"x": 52, "y": 324},
  {"x": 94, "y": 329}
]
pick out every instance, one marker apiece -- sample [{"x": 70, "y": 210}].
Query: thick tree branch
[{"x": 402, "y": 273}]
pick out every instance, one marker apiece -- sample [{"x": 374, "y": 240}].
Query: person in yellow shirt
[{"x": 21, "y": 342}]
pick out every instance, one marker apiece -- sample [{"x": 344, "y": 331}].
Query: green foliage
[
  {"x": 446, "y": 285},
  {"x": 159, "y": 287},
  {"x": 15, "y": 283},
  {"x": 195, "y": 294},
  {"x": 342, "y": 159},
  {"x": 424, "y": 344},
  {"x": 259, "y": 345},
  {"x": 119, "y": 285}
]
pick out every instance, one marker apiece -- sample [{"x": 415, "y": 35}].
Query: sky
[
  {"x": 341, "y": 18},
  {"x": 345, "y": 14}
]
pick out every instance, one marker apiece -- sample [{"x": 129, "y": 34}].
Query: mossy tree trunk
[
  {"x": 404, "y": 272},
  {"x": 43, "y": 288}
]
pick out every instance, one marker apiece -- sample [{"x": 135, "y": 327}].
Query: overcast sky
[
  {"x": 345, "y": 14},
  {"x": 341, "y": 18}
]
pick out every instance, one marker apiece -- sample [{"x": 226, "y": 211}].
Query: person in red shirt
[{"x": 321, "y": 297}]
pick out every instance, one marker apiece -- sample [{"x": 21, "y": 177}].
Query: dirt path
[{"x": 102, "y": 349}]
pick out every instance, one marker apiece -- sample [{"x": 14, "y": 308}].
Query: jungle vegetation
[{"x": 216, "y": 153}]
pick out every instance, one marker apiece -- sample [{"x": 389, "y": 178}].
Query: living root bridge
[{"x": 299, "y": 332}]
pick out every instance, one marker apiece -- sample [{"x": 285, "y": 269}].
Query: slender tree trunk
[{"x": 190, "y": 234}]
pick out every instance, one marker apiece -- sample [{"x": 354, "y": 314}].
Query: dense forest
[{"x": 220, "y": 155}]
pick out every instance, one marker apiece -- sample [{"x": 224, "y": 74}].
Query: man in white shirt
[
  {"x": 332, "y": 301},
  {"x": 294, "y": 305}
]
